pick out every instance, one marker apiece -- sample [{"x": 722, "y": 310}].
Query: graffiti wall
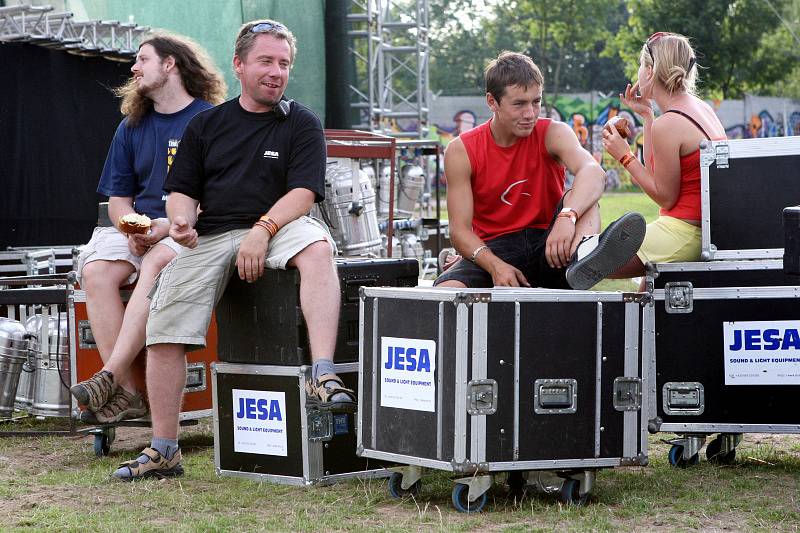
[{"x": 587, "y": 113}]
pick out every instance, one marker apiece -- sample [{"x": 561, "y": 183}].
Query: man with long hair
[{"x": 173, "y": 80}]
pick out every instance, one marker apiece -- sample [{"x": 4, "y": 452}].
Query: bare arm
[
  {"x": 661, "y": 183},
  {"x": 590, "y": 181},
  {"x": 182, "y": 213},
  {"x": 460, "y": 211},
  {"x": 253, "y": 250},
  {"x": 118, "y": 207}
]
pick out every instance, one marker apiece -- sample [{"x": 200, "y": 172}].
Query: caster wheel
[
  {"x": 102, "y": 442},
  {"x": 461, "y": 500},
  {"x": 714, "y": 453},
  {"x": 517, "y": 485},
  {"x": 676, "y": 457},
  {"x": 396, "y": 489},
  {"x": 570, "y": 493}
]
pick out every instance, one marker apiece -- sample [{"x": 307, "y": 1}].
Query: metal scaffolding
[
  {"x": 42, "y": 26},
  {"x": 389, "y": 46}
]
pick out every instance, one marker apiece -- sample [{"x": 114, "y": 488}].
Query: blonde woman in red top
[{"x": 671, "y": 172}]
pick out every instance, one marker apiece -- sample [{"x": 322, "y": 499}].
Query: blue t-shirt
[{"x": 140, "y": 157}]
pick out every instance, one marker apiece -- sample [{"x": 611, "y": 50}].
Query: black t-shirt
[{"x": 237, "y": 164}]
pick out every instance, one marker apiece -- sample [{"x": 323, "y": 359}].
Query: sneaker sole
[
  {"x": 88, "y": 417},
  {"x": 618, "y": 244}
]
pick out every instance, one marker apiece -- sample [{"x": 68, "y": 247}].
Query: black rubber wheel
[
  {"x": 517, "y": 485},
  {"x": 714, "y": 453},
  {"x": 676, "y": 457},
  {"x": 461, "y": 500},
  {"x": 102, "y": 445},
  {"x": 570, "y": 493},
  {"x": 396, "y": 489}
]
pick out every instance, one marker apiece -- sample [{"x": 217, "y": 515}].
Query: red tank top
[
  {"x": 513, "y": 187},
  {"x": 688, "y": 204}
]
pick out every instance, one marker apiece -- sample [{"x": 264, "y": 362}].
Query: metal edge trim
[
  {"x": 459, "y": 406},
  {"x": 408, "y": 460},
  {"x": 598, "y": 377},
  {"x": 267, "y": 370},
  {"x": 375, "y": 397},
  {"x": 360, "y": 391},
  {"x": 549, "y": 464},
  {"x": 272, "y": 478},
  {"x": 480, "y": 326},
  {"x": 331, "y": 479},
  {"x": 729, "y": 428},
  {"x": 312, "y": 454},
  {"x": 439, "y": 381},
  {"x": 215, "y": 410},
  {"x": 631, "y": 418},
  {"x": 738, "y": 293},
  {"x": 517, "y": 336}
]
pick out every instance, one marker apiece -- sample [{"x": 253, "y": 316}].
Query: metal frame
[
  {"x": 389, "y": 41},
  {"x": 719, "y": 153},
  {"x": 41, "y": 26}
]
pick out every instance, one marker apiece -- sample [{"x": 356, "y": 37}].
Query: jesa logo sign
[
  {"x": 408, "y": 370},
  {"x": 763, "y": 352},
  {"x": 259, "y": 422}
]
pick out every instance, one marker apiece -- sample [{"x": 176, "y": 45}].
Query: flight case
[
  {"x": 265, "y": 429},
  {"x": 745, "y": 185},
  {"x": 495, "y": 384},
  {"x": 723, "y": 355}
]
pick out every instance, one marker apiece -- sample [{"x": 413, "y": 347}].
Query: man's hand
[
  {"x": 139, "y": 243},
  {"x": 505, "y": 275},
  {"x": 252, "y": 253},
  {"x": 559, "y": 243},
  {"x": 182, "y": 233}
]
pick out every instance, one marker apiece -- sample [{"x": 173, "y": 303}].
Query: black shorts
[{"x": 524, "y": 249}]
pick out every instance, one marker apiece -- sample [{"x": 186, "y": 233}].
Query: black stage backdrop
[{"x": 57, "y": 117}]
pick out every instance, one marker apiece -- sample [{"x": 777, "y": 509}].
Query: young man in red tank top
[{"x": 509, "y": 215}]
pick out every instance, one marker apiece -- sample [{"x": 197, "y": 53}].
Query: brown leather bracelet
[{"x": 266, "y": 226}]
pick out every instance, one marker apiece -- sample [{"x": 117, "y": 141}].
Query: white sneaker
[{"x": 598, "y": 256}]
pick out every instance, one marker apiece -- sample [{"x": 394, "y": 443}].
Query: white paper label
[
  {"x": 407, "y": 373},
  {"x": 762, "y": 353},
  {"x": 259, "y": 422}
]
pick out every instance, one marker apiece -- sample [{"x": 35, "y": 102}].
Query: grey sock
[
  {"x": 166, "y": 447},
  {"x": 322, "y": 367}
]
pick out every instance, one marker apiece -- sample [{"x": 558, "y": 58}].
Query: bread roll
[
  {"x": 621, "y": 124},
  {"x": 133, "y": 223}
]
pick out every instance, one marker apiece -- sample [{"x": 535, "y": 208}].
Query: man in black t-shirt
[{"x": 255, "y": 165}]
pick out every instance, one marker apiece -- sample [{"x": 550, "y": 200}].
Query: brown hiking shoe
[
  {"x": 95, "y": 392},
  {"x": 122, "y": 406},
  {"x": 329, "y": 392},
  {"x": 150, "y": 463}
]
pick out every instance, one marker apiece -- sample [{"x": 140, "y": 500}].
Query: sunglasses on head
[
  {"x": 656, "y": 36},
  {"x": 266, "y": 27}
]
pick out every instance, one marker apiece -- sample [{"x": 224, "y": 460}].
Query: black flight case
[
  {"x": 745, "y": 185},
  {"x": 533, "y": 387},
  {"x": 722, "y": 342}
]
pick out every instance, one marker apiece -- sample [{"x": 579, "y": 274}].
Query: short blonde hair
[
  {"x": 246, "y": 37},
  {"x": 673, "y": 61}
]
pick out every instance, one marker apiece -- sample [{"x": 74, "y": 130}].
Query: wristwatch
[{"x": 569, "y": 213}]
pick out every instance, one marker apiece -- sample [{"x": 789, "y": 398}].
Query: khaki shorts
[
  {"x": 110, "y": 244},
  {"x": 670, "y": 240},
  {"x": 190, "y": 286}
]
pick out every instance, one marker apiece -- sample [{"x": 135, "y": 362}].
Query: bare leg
[
  {"x": 452, "y": 283},
  {"x": 166, "y": 379},
  {"x": 319, "y": 297},
  {"x": 632, "y": 269},
  {"x": 101, "y": 281},
  {"x": 132, "y": 333}
]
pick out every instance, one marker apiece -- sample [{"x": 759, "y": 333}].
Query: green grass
[{"x": 56, "y": 483}]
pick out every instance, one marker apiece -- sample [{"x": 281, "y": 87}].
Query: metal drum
[
  {"x": 51, "y": 375},
  {"x": 354, "y": 222},
  {"x": 412, "y": 181},
  {"x": 13, "y": 354},
  {"x": 383, "y": 193}
]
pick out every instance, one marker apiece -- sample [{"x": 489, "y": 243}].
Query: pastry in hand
[
  {"x": 621, "y": 124},
  {"x": 133, "y": 223}
]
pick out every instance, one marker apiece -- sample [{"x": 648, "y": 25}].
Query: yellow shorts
[{"x": 670, "y": 240}]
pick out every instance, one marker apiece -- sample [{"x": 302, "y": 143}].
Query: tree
[{"x": 731, "y": 37}]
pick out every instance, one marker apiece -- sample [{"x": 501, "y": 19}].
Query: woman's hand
[
  {"x": 614, "y": 144},
  {"x": 640, "y": 105}
]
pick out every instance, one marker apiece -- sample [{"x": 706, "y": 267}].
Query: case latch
[
  {"x": 627, "y": 394},
  {"x": 721, "y": 153},
  {"x": 85, "y": 336},
  {"x": 555, "y": 396},
  {"x": 683, "y": 398},
  {"x": 678, "y": 297},
  {"x": 482, "y": 397},
  {"x": 195, "y": 377},
  {"x": 320, "y": 425}
]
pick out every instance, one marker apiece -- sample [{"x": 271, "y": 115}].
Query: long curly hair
[{"x": 199, "y": 75}]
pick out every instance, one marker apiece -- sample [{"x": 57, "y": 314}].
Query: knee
[
  {"x": 96, "y": 276},
  {"x": 317, "y": 256},
  {"x": 154, "y": 262}
]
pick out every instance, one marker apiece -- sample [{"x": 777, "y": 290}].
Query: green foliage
[{"x": 740, "y": 44}]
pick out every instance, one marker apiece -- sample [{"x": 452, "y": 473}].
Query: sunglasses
[
  {"x": 656, "y": 36},
  {"x": 266, "y": 27}
]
